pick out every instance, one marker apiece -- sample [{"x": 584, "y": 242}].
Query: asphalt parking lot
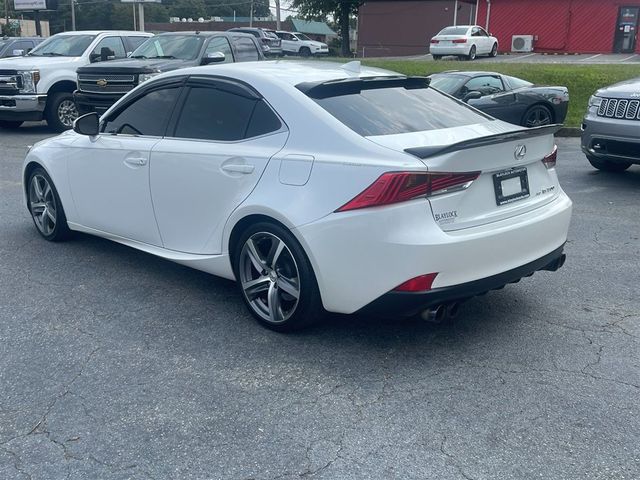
[
  {"x": 584, "y": 59},
  {"x": 118, "y": 365}
]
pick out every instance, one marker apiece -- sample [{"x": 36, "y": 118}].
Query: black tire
[
  {"x": 60, "y": 109},
  {"x": 437, "y": 57},
  {"x": 472, "y": 53},
  {"x": 55, "y": 229},
  {"x": 537, "y": 116},
  {"x": 10, "y": 125},
  {"x": 292, "y": 267},
  {"x": 305, "y": 52},
  {"x": 494, "y": 50},
  {"x": 607, "y": 165}
]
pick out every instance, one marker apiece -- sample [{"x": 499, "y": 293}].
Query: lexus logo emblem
[
  {"x": 521, "y": 152},
  {"x": 102, "y": 83}
]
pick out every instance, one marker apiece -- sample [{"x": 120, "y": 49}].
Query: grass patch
[{"x": 581, "y": 80}]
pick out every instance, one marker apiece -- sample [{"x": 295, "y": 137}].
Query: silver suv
[{"x": 611, "y": 128}]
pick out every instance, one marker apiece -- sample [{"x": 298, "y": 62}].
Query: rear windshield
[
  {"x": 389, "y": 111},
  {"x": 454, "y": 31}
]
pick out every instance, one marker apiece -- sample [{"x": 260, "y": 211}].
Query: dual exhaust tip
[{"x": 440, "y": 313}]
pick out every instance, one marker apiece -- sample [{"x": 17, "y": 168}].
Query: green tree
[
  {"x": 188, "y": 9},
  {"x": 341, "y": 10}
]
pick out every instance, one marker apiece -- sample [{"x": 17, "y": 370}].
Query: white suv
[
  {"x": 294, "y": 43},
  {"x": 40, "y": 85}
]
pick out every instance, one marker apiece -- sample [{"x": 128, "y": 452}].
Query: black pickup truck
[{"x": 101, "y": 85}]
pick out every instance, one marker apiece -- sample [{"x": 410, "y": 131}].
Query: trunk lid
[{"x": 512, "y": 178}]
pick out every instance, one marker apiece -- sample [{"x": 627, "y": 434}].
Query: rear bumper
[
  {"x": 87, "y": 102},
  {"x": 409, "y": 303},
  {"x": 611, "y": 139},
  {"x": 22, "y": 107},
  {"x": 455, "y": 49}
]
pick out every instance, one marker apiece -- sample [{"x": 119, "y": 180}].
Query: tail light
[
  {"x": 460, "y": 40},
  {"x": 417, "y": 284},
  {"x": 433, "y": 40},
  {"x": 550, "y": 160},
  {"x": 396, "y": 187}
]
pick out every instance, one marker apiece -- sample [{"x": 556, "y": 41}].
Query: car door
[
  {"x": 222, "y": 140},
  {"x": 487, "y": 42},
  {"x": 219, "y": 44},
  {"x": 109, "y": 173}
]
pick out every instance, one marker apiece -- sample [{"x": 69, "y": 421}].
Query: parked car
[
  {"x": 18, "y": 46},
  {"x": 611, "y": 127},
  {"x": 463, "y": 41},
  {"x": 101, "y": 85},
  {"x": 40, "y": 85},
  {"x": 505, "y": 97},
  {"x": 294, "y": 43},
  {"x": 271, "y": 44},
  {"x": 316, "y": 187}
]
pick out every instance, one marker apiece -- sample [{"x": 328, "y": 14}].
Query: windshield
[
  {"x": 63, "y": 46},
  {"x": 517, "y": 82},
  {"x": 389, "y": 111},
  {"x": 454, "y": 31},
  {"x": 184, "y": 47},
  {"x": 447, "y": 83},
  {"x": 302, "y": 36}
]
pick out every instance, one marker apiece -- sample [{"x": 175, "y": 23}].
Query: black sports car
[{"x": 508, "y": 98}]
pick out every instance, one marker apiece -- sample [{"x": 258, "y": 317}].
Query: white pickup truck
[{"x": 40, "y": 85}]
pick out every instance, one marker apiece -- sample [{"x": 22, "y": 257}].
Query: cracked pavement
[{"x": 118, "y": 365}]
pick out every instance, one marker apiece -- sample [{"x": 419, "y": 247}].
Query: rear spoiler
[
  {"x": 354, "y": 86},
  {"x": 434, "y": 150}
]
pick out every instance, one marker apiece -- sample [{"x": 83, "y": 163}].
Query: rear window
[
  {"x": 517, "y": 82},
  {"x": 454, "y": 31},
  {"x": 389, "y": 111}
]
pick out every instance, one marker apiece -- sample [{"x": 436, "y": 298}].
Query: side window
[
  {"x": 475, "y": 32},
  {"x": 112, "y": 43},
  {"x": 220, "y": 44},
  {"x": 213, "y": 114},
  {"x": 21, "y": 45},
  {"x": 147, "y": 115},
  {"x": 486, "y": 85},
  {"x": 247, "y": 51},
  {"x": 135, "y": 42}
]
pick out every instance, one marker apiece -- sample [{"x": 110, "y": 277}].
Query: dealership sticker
[{"x": 446, "y": 217}]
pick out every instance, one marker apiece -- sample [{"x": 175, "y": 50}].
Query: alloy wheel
[
  {"x": 269, "y": 277},
  {"x": 42, "y": 203},
  {"x": 67, "y": 112},
  {"x": 537, "y": 117}
]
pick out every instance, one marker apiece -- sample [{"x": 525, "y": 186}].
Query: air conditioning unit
[{"x": 522, "y": 43}]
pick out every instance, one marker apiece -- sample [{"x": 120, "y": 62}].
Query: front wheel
[
  {"x": 437, "y": 57},
  {"x": 537, "y": 116},
  {"x": 607, "y": 165},
  {"x": 61, "y": 111},
  {"x": 46, "y": 208},
  {"x": 472, "y": 53},
  {"x": 9, "y": 124},
  {"x": 494, "y": 50},
  {"x": 276, "y": 279},
  {"x": 305, "y": 52}
]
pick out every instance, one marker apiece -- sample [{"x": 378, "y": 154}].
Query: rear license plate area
[{"x": 511, "y": 185}]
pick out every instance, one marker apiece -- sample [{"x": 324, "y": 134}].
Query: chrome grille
[
  {"x": 9, "y": 82},
  {"x": 96, "y": 83},
  {"x": 615, "y": 108}
]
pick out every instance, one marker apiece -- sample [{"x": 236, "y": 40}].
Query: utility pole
[
  {"x": 277, "y": 14},
  {"x": 251, "y": 15},
  {"x": 6, "y": 15},
  {"x": 141, "y": 16},
  {"x": 134, "y": 17},
  {"x": 73, "y": 15}
]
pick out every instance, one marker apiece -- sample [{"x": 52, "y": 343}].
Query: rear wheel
[
  {"x": 537, "y": 116},
  {"x": 46, "y": 208},
  {"x": 9, "y": 125},
  {"x": 305, "y": 52},
  {"x": 61, "y": 111},
  {"x": 607, "y": 165},
  {"x": 494, "y": 50},
  {"x": 276, "y": 279},
  {"x": 472, "y": 53}
]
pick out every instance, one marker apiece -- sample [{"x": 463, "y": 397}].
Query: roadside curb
[{"x": 569, "y": 132}]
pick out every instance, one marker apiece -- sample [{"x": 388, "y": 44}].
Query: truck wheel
[
  {"x": 305, "y": 52},
  {"x": 436, "y": 57},
  {"x": 9, "y": 125},
  {"x": 607, "y": 165},
  {"x": 61, "y": 111}
]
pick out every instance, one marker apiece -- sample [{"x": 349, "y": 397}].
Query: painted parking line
[
  {"x": 590, "y": 58},
  {"x": 519, "y": 57},
  {"x": 628, "y": 58}
]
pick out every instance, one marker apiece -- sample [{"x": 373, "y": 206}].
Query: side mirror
[
  {"x": 215, "y": 57},
  {"x": 87, "y": 124},
  {"x": 18, "y": 53},
  {"x": 474, "y": 95}
]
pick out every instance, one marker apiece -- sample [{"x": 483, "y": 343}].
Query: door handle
[
  {"x": 137, "y": 161},
  {"x": 238, "y": 168}
]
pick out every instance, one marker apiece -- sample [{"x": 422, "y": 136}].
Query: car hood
[
  {"x": 626, "y": 89},
  {"x": 313, "y": 43},
  {"x": 36, "y": 63},
  {"x": 138, "y": 65}
]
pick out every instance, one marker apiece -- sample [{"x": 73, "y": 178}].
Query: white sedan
[
  {"x": 315, "y": 186},
  {"x": 463, "y": 41}
]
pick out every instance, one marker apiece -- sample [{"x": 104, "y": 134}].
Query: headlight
[
  {"x": 143, "y": 77},
  {"x": 30, "y": 80},
  {"x": 595, "y": 101}
]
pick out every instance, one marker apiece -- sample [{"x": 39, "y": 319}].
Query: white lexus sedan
[
  {"x": 463, "y": 41},
  {"x": 315, "y": 186}
]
